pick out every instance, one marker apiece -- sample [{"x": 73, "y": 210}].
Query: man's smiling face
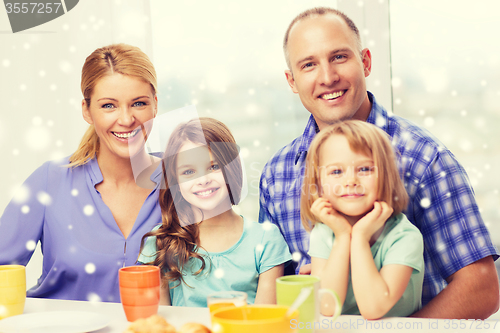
[{"x": 328, "y": 70}]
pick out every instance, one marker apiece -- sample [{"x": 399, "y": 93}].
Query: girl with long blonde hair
[{"x": 361, "y": 245}]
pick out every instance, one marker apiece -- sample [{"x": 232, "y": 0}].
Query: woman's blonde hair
[
  {"x": 363, "y": 138},
  {"x": 117, "y": 58}
]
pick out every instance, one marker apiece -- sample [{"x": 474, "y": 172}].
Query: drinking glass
[
  {"x": 139, "y": 291},
  {"x": 224, "y": 299},
  {"x": 12, "y": 290}
]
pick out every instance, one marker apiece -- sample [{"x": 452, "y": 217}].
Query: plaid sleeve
[
  {"x": 448, "y": 216},
  {"x": 265, "y": 206}
]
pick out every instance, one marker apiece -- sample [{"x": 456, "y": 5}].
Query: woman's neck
[{"x": 121, "y": 170}]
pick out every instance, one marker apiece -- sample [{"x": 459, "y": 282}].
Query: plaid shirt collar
[{"x": 378, "y": 116}]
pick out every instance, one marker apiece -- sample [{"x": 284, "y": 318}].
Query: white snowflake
[
  {"x": 267, "y": 225},
  {"x": 25, "y": 209},
  {"x": 219, "y": 273},
  {"x": 37, "y": 138},
  {"x": 396, "y": 82},
  {"x": 90, "y": 268},
  {"x": 88, "y": 210},
  {"x": 30, "y": 245},
  {"x": 21, "y": 194},
  {"x": 296, "y": 256},
  {"x": 93, "y": 297},
  {"x": 66, "y": 67},
  {"x": 380, "y": 121},
  {"x": 37, "y": 121},
  {"x": 425, "y": 203},
  {"x": 4, "y": 312},
  {"x": 429, "y": 121},
  {"x": 44, "y": 198}
]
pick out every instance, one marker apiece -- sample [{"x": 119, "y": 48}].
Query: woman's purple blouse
[{"x": 82, "y": 246}]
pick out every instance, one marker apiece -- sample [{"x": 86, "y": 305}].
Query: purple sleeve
[{"x": 22, "y": 220}]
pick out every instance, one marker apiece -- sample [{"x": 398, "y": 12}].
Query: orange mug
[{"x": 139, "y": 291}]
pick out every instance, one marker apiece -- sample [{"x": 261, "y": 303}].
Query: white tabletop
[{"x": 178, "y": 316}]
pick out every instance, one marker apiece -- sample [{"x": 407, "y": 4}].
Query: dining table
[{"x": 116, "y": 322}]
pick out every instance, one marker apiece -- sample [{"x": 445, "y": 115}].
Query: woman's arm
[
  {"x": 266, "y": 289},
  {"x": 22, "y": 221}
]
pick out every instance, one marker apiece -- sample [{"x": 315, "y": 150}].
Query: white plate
[{"x": 54, "y": 322}]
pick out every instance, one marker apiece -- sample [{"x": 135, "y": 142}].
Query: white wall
[{"x": 224, "y": 57}]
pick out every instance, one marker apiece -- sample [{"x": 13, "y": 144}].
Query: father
[{"x": 327, "y": 69}]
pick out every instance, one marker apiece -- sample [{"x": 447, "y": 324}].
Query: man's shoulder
[
  {"x": 409, "y": 136},
  {"x": 285, "y": 154}
]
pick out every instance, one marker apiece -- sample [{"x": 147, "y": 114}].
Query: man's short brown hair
[{"x": 319, "y": 11}]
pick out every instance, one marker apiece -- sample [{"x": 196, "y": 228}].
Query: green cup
[{"x": 289, "y": 287}]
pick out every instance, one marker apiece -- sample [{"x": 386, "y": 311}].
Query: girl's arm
[
  {"x": 376, "y": 292},
  {"x": 165, "y": 294},
  {"x": 334, "y": 271},
  {"x": 266, "y": 289}
]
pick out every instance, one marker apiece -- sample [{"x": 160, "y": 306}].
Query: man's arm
[{"x": 472, "y": 293}]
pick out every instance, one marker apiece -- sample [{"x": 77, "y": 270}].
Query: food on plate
[
  {"x": 153, "y": 324},
  {"x": 194, "y": 328},
  {"x": 158, "y": 324}
]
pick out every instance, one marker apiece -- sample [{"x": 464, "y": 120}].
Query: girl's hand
[
  {"x": 372, "y": 221},
  {"x": 324, "y": 212}
]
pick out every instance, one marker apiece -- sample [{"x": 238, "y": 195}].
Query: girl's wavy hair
[
  {"x": 363, "y": 138},
  {"x": 178, "y": 236}
]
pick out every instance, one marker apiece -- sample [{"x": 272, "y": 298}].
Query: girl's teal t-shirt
[
  {"x": 400, "y": 243},
  {"x": 260, "y": 248}
]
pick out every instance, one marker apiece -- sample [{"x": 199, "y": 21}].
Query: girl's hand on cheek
[
  {"x": 324, "y": 212},
  {"x": 372, "y": 221}
]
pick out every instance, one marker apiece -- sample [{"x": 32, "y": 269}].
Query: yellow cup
[
  {"x": 253, "y": 318},
  {"x": 12, "y": 290}
]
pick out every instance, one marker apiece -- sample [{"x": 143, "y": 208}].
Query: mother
[{"x": 87, "y": 210}]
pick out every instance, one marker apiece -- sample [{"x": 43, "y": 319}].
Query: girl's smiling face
[
  {"x": 348, "y": 179},
  {"x": 201, "y": 181}
]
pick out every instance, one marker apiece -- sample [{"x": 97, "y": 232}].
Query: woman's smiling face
[{"x": 121, "y": 108}]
